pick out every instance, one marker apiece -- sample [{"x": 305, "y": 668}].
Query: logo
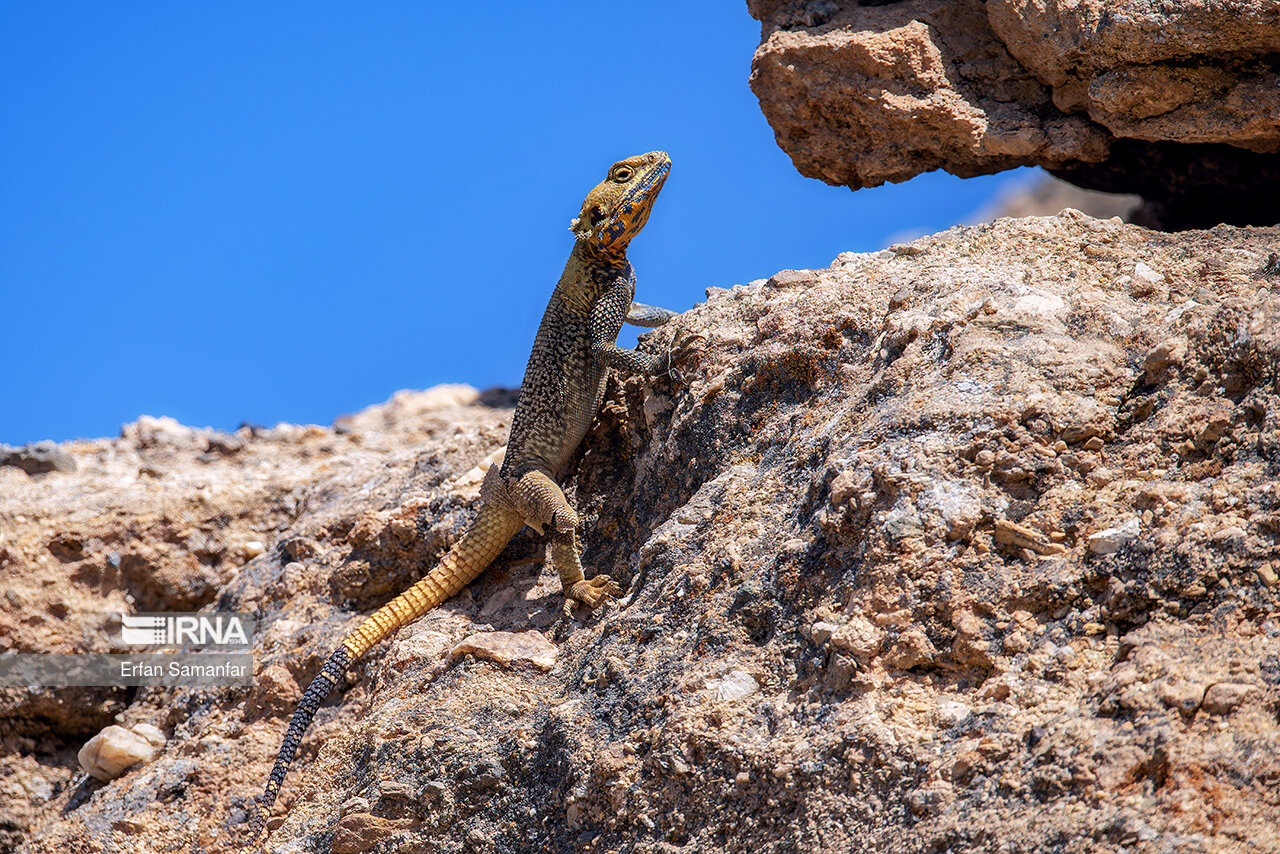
[
  {"x": 197, "y": 630},
  {"x": 178, "y": 649}
]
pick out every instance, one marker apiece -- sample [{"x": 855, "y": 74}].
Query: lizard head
[{"x": 616, "y": 210}]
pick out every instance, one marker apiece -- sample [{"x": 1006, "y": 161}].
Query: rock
[
  {"x": 792, "y": 278},
  {"x": 1112, "y": 540},
  {"x": 225, "y": 444},
  {"x": 1152, "y": 72},
  {"x": 152, "y": 432},
  {"x": 903, "y": 521},
  {"x": 1148, "y": 277},
  {"x": 860, "y": 638},
  {"x": 959, "y": 510},
  {"x": 1015, "y": 642},
  {"x": 951, "y": 713},
  {"x": 407, "y": 405},
  {"x": 115, "y": 750},
  {"x": 301, "y": 548},
  {"x": 1224, "y": 697},
  {"x": 735, "y": 685},
  {"x": 360, "y": 831},
  {"x": 275, "y": 692},
  {"x": 508, "y": 648},
  {"x": 910, "y": 649},
  {"x": 1164, "y": 355},
  {"x": 38, "y": 458},
  {"x": 1020, "y": 536},
  {"x": 1175, "y": 102},
  {"x": 821, "y": 632},
  {"x": 153, "y": 734}
]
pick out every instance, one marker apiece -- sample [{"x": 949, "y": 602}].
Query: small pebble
[
  {"x": 112, "y": 752},
  {"x": 951, "y": 713}
]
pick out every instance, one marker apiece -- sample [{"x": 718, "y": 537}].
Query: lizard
[{"x": 575, "y": 346}]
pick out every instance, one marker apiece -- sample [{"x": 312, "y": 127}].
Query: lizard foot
[
  {"x": 591, "y": 592},
  {"x": 688, "y": 347}
]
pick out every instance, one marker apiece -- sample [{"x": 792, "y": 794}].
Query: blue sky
[{"x": 286, "y": 211}]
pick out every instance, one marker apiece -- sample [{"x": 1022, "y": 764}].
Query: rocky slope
[
  {"x": 971, "y": 545},
  {"x": 1177, "y": 102}
]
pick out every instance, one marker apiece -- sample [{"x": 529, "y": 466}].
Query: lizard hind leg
[
  {"x": 592, "y": 592},
  {"x": 543, "y": 504}
]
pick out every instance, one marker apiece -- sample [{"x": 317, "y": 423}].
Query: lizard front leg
[
  {"x": 607, "y": 315},
  {"x": 640, "y": 314},
  {"x": 542, "y": 502}
]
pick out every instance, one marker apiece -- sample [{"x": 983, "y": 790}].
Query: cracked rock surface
[
  {"x": 971, "y": 544},
  {"x": 1177, "y": 102}
]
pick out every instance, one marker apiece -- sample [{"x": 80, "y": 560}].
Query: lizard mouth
[
  {"x": 657, "y": 175},
  {"x": 641, "y": 196}
]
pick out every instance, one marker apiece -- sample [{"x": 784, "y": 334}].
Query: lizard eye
[{"x": 623, "y": 174}]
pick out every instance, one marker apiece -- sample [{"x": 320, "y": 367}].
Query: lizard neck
[{"x": 590, "y": 269}]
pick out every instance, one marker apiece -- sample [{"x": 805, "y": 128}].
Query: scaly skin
[{"x": 563, "y": 384}]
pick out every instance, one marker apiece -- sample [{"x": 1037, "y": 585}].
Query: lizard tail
[{"x": 484, "y": 540}]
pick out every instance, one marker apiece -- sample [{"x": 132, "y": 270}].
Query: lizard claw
[
  {"x": 591, "y": 592},
  {"x": 688, "y": 346}
]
